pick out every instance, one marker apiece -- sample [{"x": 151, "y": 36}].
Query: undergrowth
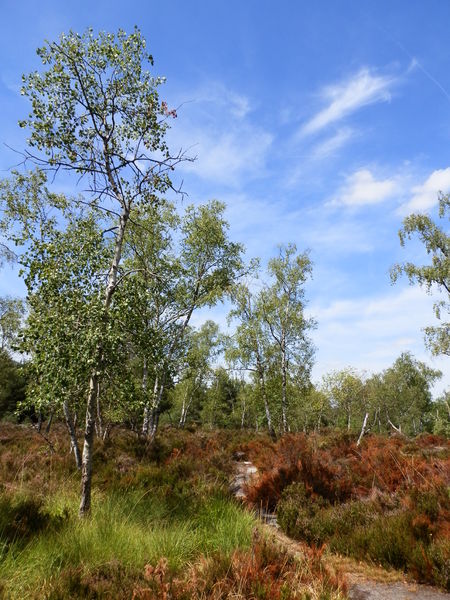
[
  {"x": 163, "y": 524},
  {"x": 386, "y": 501}
]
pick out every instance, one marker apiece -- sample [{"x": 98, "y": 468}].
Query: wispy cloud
[
  {"x": 234, "y": 103},
  {"x": 228, "y": 157},
  {"x": 346, "y": 97},
  {"x": 426, "y": 195},
  {"x": 217, "y": 126},
  {"x": 331, "y": 145},
  {"x": 362, "y": 188}
]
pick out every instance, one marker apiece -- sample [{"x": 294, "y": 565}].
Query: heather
[{"x": 384, "y": 501}]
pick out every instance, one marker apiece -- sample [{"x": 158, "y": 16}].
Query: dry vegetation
[
  {"x": 163, "y": 524},
  {"x": 385, "y": 501}
]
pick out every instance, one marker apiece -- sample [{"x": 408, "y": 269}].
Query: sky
[{"x": 318, "y": 123}]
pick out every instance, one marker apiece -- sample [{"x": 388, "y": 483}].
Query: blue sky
[{"x": 321, "y": 123}]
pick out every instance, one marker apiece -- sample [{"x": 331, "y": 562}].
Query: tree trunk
[
  {"x": 397, "y": 429},
  {"x": 99, "y": 413},
  {"x": 49, "y": 423},
  {"x": 184, "y": 409},
  {"x": 154, "y": 415},
  {"x": 86, "y": 466},
  {"x": 73, "y": 436},
  {"x": 244, "y": 407},
  {"x": 363, "y": 429},
  {"x": 262, "y": 383},
  {"x": 284, "y": 390},
  {"x": 39, "y": 421},
  {"x": 88, "y": 447},
  {"x": 149, "y": 410},
  {"x": 146, "y": 420}
]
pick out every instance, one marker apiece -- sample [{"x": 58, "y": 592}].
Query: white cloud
[
  {"x": 361, "y": 189},
  {"x": 425, "y": 196},
  {"x": 347, "y": 97},
  {"x": 332, "y": 144},
  {"x": 369, "y": 333},
  {"x": 217, "y": 127},
  {"x": 228, "y": 156},
  {"x": 217, "y": 95},
  {"x": 262, "y": 223}
]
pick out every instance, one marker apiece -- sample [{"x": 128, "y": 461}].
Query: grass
[
  {"x": 130, "y": 529},
  {"x": 163, "y": 524}
]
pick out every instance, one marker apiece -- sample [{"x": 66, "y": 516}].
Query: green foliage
[
  {"x": 13, "y": 381},
  {"x": 401, "y": 395},
  {"x": 221, "y": 406},
  {"x": 11, "y": 315},
  {"x": 345, "y": 392},
  {"x": 171, "y": 504},
  {"x": 271, "y": 337},
  {"x": 435, "y": 275},
  {"x": 95, "y": 109}
]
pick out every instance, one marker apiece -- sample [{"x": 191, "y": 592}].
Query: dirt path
[{"x": 365, "y": 582}]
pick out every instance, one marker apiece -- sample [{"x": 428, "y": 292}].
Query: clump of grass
[{"x": 126, "y": 530}]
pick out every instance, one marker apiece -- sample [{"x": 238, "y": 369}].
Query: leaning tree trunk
[
  {"x": 88, "y": 446},
  {"x": 363, "y": 429}
]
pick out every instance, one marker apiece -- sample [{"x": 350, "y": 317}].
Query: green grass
[{"x": 131, "y": 528}]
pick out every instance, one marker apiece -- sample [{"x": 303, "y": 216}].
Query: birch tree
[
  {"x": 96, "y": 114},
  {"x": 249, "y": 347},
  {"x": 435, "y": 275},
  {"x": 283, "y": 312},
  {"x": 193, "y": 265}
]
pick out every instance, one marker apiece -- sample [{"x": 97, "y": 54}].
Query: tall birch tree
[{"x": 96, "y": 113}]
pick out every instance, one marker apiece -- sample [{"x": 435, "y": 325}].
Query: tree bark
[
  {"x": 262, "y": 384},
  {"x": 363, "y": 429},
  {"x": 244, "y": 408},
  {"x": 86, "y": 466},
  {"x": 73, "y": 436},
  {"x": 154, "y": 414},
  {"x": 284, "y": 388},
  {"x": 99, "y": 413},
  {"x": 86, "y": 462},
  {"x": 49, "y": 423},
  {"x": 184, "y": 411},
  {"x": 146, "y": 419}
]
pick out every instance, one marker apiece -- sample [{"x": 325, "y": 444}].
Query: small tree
[
  {"x": 249, "y": 348},
  {"x": 282, "y": 310},
  {"x": 202, "y": 346},
  {"x": 435, "y": 275},
  {"x": 346, "y": 394}
]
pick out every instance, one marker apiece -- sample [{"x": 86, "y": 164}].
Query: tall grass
[{"x": 131, "y": 528}]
